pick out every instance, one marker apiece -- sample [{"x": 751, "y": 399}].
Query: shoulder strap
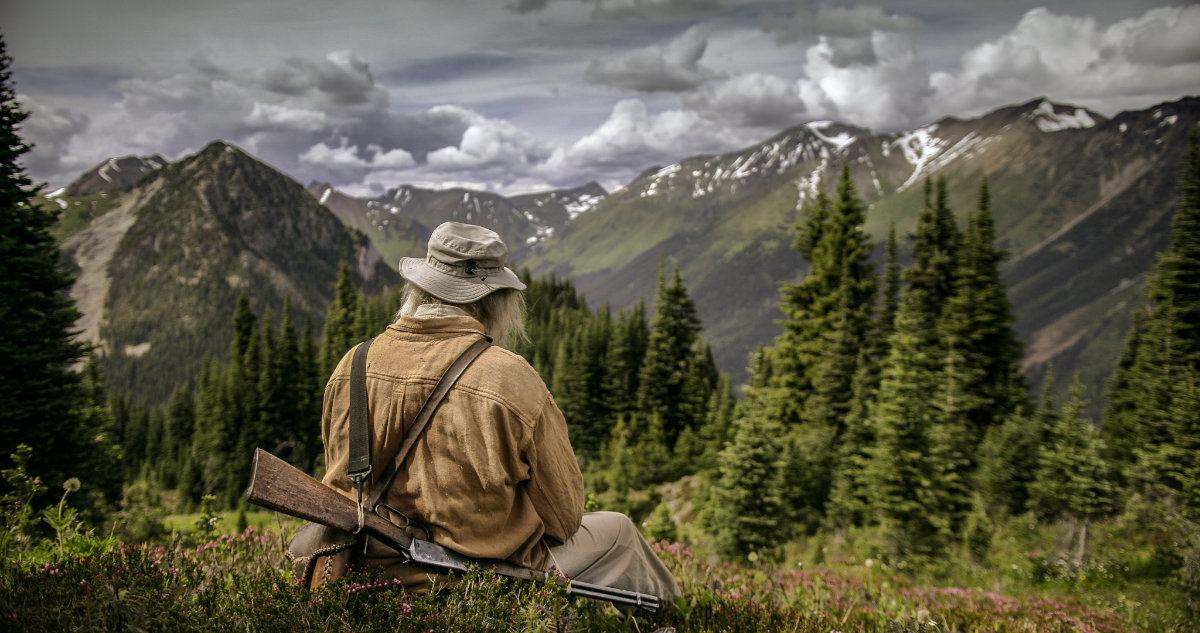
[
  {"x": 447, "y": 380},
  {"x": 359, "y": 466}
]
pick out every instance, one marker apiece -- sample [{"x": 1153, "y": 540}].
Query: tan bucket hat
[{"x": 464, "y": 263}]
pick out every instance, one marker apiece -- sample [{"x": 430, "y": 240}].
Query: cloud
[
  {"x": 1070, "y": 58},
  {"x": 891, "y": 94},
  {"x": 282, "y": 117},
  {"x": 349, "y": 156},
  {"x": 342, "y": 78},
  {"x": 837, "y": 22},
  {"x": 672, "y": 67},
  {"x": 489, "y": 143},
  {"x": 632, "y": 139},
  {"x": 755, "y": 100},
  {"x": 50, "y": 131},
  {"x": 646, "y": 9},
  {"x": 527, "y": 6}
]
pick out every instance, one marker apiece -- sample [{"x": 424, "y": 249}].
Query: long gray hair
[{"x": 502, "y": 312}]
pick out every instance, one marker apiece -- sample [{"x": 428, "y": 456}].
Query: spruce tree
[
  {"x": 668, "y": 360},
  {"x": 747, "y": 505},
  {"x": 818, "y": 355},
  {"x": 1071, "y": 480},
  {"x": 1165, "y": 342},
  {"x": 982, "y": 381},
  {"x": 911, "y": 494},
  {"x": 40, "y": 393},
  {"x": 935, "y": 251},
  {"x": 340, "y": 332}
]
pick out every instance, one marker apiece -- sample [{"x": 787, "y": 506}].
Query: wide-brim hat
[{"x": 464, "y": 263}]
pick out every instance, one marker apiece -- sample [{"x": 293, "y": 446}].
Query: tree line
[{"x": 895, "y": 401}]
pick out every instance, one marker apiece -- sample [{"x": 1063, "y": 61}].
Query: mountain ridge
[{"x": 1059, "y": 176}]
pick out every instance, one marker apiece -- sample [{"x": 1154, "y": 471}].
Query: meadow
[{"x": 201, "y": 580}]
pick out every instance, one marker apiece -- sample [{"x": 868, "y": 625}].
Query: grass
[{"x": 238, "y": 582}]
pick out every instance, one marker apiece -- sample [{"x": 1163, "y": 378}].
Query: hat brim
[{"x": 453, "y": 288}]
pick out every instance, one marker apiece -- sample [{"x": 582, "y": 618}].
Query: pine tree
[
  {"x": 40, "y": 393},
  {"x": 1165, "y": 342},
  {"x": 667, "y": 363},
  {"x": 829, "y": 317},
  {"x": 1071, "y": 479},
  {"x": 935, "y": 251},
  {"x": 747, "y": 503},
  {"x": 909, "y": 494},
  {"x": 1009, "y": 451},
  {"x": 982, "y": 381},
  {"x": 340, "y": 333}
]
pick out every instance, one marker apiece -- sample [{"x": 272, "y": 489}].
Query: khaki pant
[{"x": 608, "y": 550}]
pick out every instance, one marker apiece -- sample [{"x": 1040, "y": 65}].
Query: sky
[{"x": 516, "y": 96}]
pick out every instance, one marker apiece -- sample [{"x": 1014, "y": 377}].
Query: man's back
[{"x": 494, "y": 471}]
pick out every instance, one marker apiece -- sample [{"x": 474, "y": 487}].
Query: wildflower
[{"x": 71, "y": 485}]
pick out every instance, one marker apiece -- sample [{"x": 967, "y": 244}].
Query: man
[{"x": 493, "y": 475}]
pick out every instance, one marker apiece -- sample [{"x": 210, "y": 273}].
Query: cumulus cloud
[
  {"x": 754, "y": 99},
  {"x": 672, "y": 67},
  {"x": 1070, "y": 58},
  {"x": 632, "y": 139},
  {"x": 888, "y": 95},
  {"x": 489, "y": 142},
  {"x": 349, "y": 156},
  {"x": 846, "y": 32}
]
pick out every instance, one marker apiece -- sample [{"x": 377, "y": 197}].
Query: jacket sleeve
[{"x": 555, "y": 483}]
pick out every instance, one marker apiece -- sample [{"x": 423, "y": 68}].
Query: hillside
[
  {"x": 399, "y": 222},
  {"x": 161, "y": 263},
  {"x": 1082, "y": 202}
]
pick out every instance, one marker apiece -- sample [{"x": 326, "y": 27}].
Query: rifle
[{"x": 277, "y": 485}]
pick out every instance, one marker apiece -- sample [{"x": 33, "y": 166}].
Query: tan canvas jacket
[{"x": 494, "y": 471}]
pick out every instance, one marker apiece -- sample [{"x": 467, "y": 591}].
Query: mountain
[
  {"x": 114, "y": 174},
  {"x": 1082, "y": 202},
  {"x": 399, "y": 222},
  {"x": 161, "y": 263}
]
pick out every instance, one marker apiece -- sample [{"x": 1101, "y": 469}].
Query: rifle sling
[
  {"x": 359, "y": 466},
  {"x": 449, "y": 377}
]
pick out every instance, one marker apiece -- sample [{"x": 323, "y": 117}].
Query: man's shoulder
[{"x": 510, "y": 365}]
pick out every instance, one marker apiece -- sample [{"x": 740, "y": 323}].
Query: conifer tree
[
  {"x": 1071, "y": 479},
  {"x": 340, "y": 333},
  {"x": 1165, "y": 342},
  {"x": 982, "y": 381},
  {"x": 748, "y": 506},
  {"x": 669, "y": 354},
  {"x": 40, "y": 392},
  {"x": 935, "y": 251},
  {"x": 829, "y": 317},
  {"x": 1009, "y": 451},
  {"x": 912, "y": 493}
]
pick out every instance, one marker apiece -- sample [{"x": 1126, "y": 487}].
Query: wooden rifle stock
[{"x": 277, "y": 485}]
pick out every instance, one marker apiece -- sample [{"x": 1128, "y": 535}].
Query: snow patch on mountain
[
  {"x": 839, "y": 142},
  {"x": 919, "y": 147},
  {"x": 1047, "y": 119}
]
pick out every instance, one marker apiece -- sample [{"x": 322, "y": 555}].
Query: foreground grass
[{"x": 238, "y": 583}]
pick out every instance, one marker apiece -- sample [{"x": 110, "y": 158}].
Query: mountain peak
[
  {"x": 1056, "y": 117},
  {"x": 114, "y": 174}
]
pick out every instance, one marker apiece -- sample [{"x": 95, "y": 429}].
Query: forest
[{"x": 888, "y": 430}]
